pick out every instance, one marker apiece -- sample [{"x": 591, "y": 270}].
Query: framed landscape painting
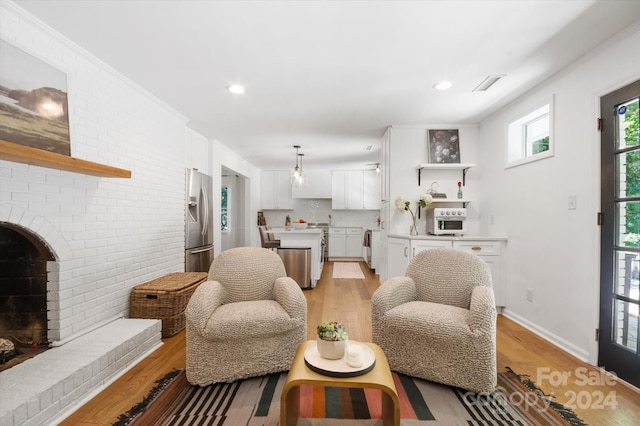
[
  {"x": 444, "y": 146},
  {"x": 33, "y": 102}
]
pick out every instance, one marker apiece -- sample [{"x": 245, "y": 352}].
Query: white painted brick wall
[{"x": 108, "y": 234}]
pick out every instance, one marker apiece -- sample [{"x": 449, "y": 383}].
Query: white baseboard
[{"x": 561, "y": 343}]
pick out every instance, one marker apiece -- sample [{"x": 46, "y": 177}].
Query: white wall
[
  {"x": 198, "y": 152},
  {"x": 115, "y": 233},
  {"x": 408, "y": 149},
  {"x": 553, "y": 250},
  {"x": 230, "y": 237},
  {"x": 248, "y": 228},
  {"x": 109, "y": 234},
  {"x": 210, "y": 156}
]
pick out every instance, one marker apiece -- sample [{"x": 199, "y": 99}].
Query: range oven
[{"x": 325, "y": 237}]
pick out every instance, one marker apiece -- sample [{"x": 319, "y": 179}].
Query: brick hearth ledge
[{"x": 47, "y": 388}]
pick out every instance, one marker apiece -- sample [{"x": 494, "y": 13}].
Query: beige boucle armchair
[
  {"x": 438, "y": 322},
  {"x": 246, "y": 320}
]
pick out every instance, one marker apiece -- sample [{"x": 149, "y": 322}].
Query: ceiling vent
[{"x": 488, "y": 82}]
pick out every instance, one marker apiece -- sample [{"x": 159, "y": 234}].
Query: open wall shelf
[
  {"x": 23, "y": 154},
  {"x": 449, "y": 166}
]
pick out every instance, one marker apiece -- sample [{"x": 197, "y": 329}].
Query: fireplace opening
[{"x": 23, "y": 295}]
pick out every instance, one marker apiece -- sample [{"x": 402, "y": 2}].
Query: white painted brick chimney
[{"x": 107, "y": 234}]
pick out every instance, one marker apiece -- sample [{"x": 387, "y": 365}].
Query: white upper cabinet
[
  {"x": 318, "y": 185},
  {"x": 371, "y": 189},
  {"x": 355, "y": 190},
  {"x": 276, "y": 190},
  {"x": 346, "y": 190}
]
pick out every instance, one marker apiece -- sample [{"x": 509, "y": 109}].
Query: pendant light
[
  {"x": 302, "y": 178},
  {"x": 296, "y": 174},
  {"x": 296, "y": 170}
]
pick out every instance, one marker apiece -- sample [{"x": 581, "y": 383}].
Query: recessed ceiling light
[
  {"x": 236, "y": 88},
  {"x": 443, "y": 85}
]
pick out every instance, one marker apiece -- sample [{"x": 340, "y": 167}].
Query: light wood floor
[{"x": 348, "y": 301}]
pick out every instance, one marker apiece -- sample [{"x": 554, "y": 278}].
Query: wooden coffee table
[{"x": 378, "y": 378}]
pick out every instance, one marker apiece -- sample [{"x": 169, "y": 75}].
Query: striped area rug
[{"x": 256, "y": 401}]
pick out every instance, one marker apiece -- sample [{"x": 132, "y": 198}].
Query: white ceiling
[{"x": 331, "y": 75}]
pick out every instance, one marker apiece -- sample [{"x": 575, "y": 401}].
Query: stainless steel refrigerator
[{"x": 199, "y": 222}]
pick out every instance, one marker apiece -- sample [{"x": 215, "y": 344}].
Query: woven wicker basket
[{"x": 165, "y": 298}]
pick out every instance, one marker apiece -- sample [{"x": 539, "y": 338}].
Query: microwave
[{"x": 446, "y": 221}]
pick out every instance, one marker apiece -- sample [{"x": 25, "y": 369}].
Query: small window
[
  {"x": 529, "y": 137},
  {"x": 224, "y": 217}
]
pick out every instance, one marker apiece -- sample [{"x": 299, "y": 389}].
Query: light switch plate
[{"x": 573, "y": 202}]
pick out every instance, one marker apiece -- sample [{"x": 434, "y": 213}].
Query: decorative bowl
[{"x": 299, "y": 225}]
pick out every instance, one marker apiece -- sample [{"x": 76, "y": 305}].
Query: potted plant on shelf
[{"x": 331, "y": 340}]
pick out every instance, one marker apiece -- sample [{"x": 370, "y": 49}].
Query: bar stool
[{"x": 266, "y": 238}]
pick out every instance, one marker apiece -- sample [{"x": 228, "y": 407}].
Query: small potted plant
[{"x": 331, "y": 340}]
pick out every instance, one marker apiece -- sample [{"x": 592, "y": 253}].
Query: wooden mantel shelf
[{"x": 23, "y": 154}]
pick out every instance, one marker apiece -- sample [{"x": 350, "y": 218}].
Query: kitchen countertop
[
  {"x": 297, "y": 231},
  {"x": 448, "y": 237}
]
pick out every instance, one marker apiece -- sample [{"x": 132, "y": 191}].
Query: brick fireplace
[
  {"x": 42, "y": 384},
  {"x": 23, "y": 291}
]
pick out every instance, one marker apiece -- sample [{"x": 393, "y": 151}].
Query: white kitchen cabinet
[
  {"x": 401, "y": 250},
  {"x": 318, "y": 185},
  {"x": 276, "y": 190},
  {"x": 371, "y": 190},
  {"x": 376, "y": 249},
  {"x": 337, "y": 242},
  {"x": 420, "y": 245},
  {"x": 398, "y": 252},
  {"x": 345, "y": 242},
  {"x": 346, "y": 190},
  {"x": 354, "y": 240},
  {"x": 355, "y": 190},
  {"x": 491, "y": 253}
]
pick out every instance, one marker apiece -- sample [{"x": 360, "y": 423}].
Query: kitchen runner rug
[
  {"x": 256, "y": 401},
  {"x": 347, "y": 270}
]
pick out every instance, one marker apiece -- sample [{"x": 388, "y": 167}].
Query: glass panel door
[{"x": 619, "y": 347}]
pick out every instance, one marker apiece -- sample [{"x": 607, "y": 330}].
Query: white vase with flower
[{"x": 403, "y": 204}]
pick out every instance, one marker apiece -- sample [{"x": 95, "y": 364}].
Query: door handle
[
  {"x": 406, "y": 249},
  {"x": 205, "y": 225},
  {"x": 202, "y": 250}
]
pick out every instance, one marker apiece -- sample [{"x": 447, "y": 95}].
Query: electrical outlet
[
  {"x": 573, "y": 202},
  {"x": 529, "y": 295}
]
